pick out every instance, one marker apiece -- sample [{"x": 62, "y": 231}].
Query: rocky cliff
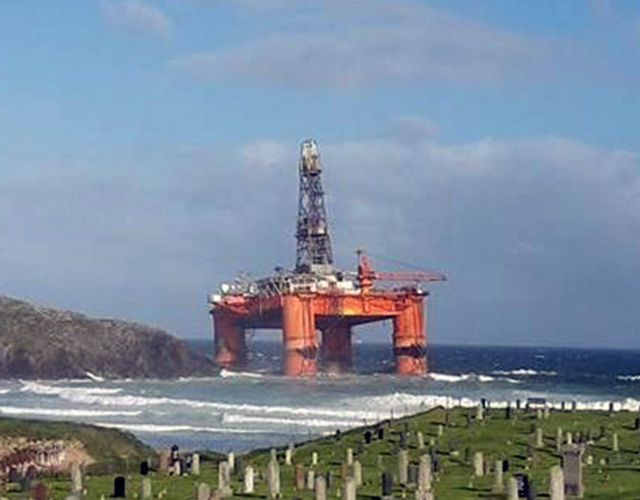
[{"x": 37, "y": 342}]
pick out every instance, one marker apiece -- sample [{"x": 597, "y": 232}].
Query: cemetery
[{"x": 463, "y": 453}]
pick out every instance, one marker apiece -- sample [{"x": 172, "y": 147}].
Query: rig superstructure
[{"x": 316, "y": 296}]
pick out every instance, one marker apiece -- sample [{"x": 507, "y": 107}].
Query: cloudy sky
[{"x": 148, "y": 152}]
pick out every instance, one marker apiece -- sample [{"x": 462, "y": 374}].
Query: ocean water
[{"x": 258, "y": 407}]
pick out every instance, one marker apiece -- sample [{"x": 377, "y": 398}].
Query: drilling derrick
[
  {"x": 315, "y": 298},
  {"x": 314, "y": 252}
]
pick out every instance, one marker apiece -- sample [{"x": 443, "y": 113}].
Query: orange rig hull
[{"x": 300, "y": 315}]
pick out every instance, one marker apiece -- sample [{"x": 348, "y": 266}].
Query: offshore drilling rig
[{"x": 316, "y": 296}]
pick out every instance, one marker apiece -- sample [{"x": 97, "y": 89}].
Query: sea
[{"x": 260, "y": 408}]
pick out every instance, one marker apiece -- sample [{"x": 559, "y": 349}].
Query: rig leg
[
  {"x": 337, "y": 351},
  {"x": 299, "y": 336},
  {"x": 409, "y": 339},
  {"x": 229, "y": 340}
]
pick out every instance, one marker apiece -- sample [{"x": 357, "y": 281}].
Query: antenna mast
[{"x": 314, "y": 253}]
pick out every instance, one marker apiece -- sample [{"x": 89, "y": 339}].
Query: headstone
[
  {"x": 300, "y": 476},
  {"x": 574, "y": 406},
  {"x": 119, "y": 487},
  {"x": 164, "y": 460},
  {"x": 311, "y": 479},
  {"x": 420, "y": 440},
  {"x": 440, "y": 430},
  {"x": 177, "y": 468},
  {"x": 512, "y": 489},
  {"x": 231, "y": 460},
  {"x": 367, "y": 437},
  {"x": 518, "y": 404},
  {"x": 273, "y": 455},
  {"x": 273, "y": 478},
  {"x": 145, "y": 488},
  {"x": 350, "y": 489},
  {"x": 204, "y": 491},
  {"x": 614, "y": 445},
  {"x": 288, "y": 455},
  {"x": 498, "y": 479},
  {"x": 572, "y": 461},
  {"x": 546, "y": 412},
  {"x": 380, "y": 433},
  {"x": 569, "y": 438},
  {"x": 249, "y": 485},
  {"x": 559, "y": 437},
  {"x": 556, "y": 483},
  {"x": 321, "y": 488},
  {"x": 507, "y": 412},
  {"x": 224, "y": 480},
  {"x": 314, "y": 459},
  {"x": 403, "y": 440},
  {"x": 357, "y": 472},
  {"x": 539, "y": 414},
  {"x": 539, "y": 442},
  {"x": 387, "y": 484},
  {"x": 479, "y": 413},
  {"x": 76, "y": 478},
  {"x": 349, "y": 456},
  {"x": 412, "y": 474},
  {"x": 478, "y": 466},
  {"x": 523, "y": 485},
  {"x": 403, "y": 463},
  {"x": 424, "y": 473},
  {"x": 144, "y": 468},
  {"x": 590, "y": 460},
  {"x": 329, "y": 479}
]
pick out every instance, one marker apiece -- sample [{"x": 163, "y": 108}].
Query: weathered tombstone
[
  {"x": 523, "y": 485},
  {"x": 546, "y": 412},
  {"x": 288, "y": 455},
  {"x": 329, "y": 479},
  {"x": 572, "y": 461},
  {"x": 314, "y": 459},
  {"x": 321, "y": 488},
  {"x": 420, "y": 440},
  {"x": 498, "y": 479},
  {"x": 177, "y": 468},
  {"x": 300, "y": 476},
  {"x": 387, "y": 484},
  {"x": 76, "y": 478},
  {"x": 539, "y": 414},
  {"x": 614, "y": 444},
  {"x": 412, "y": 474},
  {"x": 424, "y": 473},
  {"x": 559, "y": 439},
  {"x": 440, "y": 430},
  {"x": 478, "y": 466},
  {"x": 479, "y": 412},
  {"x": 249, "y": 485},
  {"x": 539, "y": 442},
  {"x": 350, "y": 489},
  {"x": 145, "y": 488},
  {"x": 311, "y": 479},
  {"x": 231, "y": 460},
  {"x": 403, "y": 464},
  {"x": 512, "y": 489},
  {"x": 224, "y": 480},
  {"x": 119, "y": 488},
  {"x": 403, "y": 440},
  {"x": 556, "y": 483},
  {"x": 195, "y": 464},
  {"x": 144, "y": 468},
  {"x": 569, "y": 438},
  {"x": 507, "y": 412},
  {"x": 349, "y": 456},
  {"x": 357, "y": 472},
  {"x": 273, "y": 455},
  {"x": 273, "y": 478},
  {"x": 380, "y": 432},
  {"x": 505, "y": 466},
  {"x": 164, "y": 460}
]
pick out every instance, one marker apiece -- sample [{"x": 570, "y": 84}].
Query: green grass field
[{"x": 497, "y": 437}]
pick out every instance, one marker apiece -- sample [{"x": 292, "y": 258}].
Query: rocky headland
[{"x": 44, "y": 343}]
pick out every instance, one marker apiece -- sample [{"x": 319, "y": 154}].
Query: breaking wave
[
  {"x": 525, "y": 372},
  {"x": 629, "y": 378},
  {"x": 232, "y": 374},
  {"x": 446, "y": 377},
  {"x": 157, "y": 428},
  {"x": 53, "y": 412}
]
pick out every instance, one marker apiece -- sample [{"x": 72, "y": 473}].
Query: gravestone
[
  {"x": 420, "y": 440},
  {"x": 412, "y": 474},
  {"x": 574, "y": 406},
  {"x": 367, "y": 437},
  {"x": 204, "y": 491},
  {"x": 559, "y": 439},
  {"x": 329, "y": 479},
  {"x": 144, "y": 468},
  {"x": 311, "y": 479},
  {"x": 249, "y": 485},
  {"x": 614, "y": 444},
  {"x": 349, "y": 456},
  {"x": 478, "y": 466},
  {"x": 195, "y": 464},
  {"x": 288, "y": 455},
  {"x": 119, "y": 484},
  {"x": 479, "y": 412},
  {"x": 539, "y": 437},
  {"x": 507, "y": 412},
  {"x": 350, "y": 489},
  {"x": 569, "y": 438},
  {"x": 321, "y": 488},
  {"x": 512, "y": 489},
  {"x": 314, "y": 459},
  {"x": 403, "y": 463},
  {"x": 424, "y": 473},
  {"x": 572, "y": 462},
  {"x": 273, "y": 455},
  {"x": 440, "y": 430},
  {"x": 300, "y": 475},
  {"x": 556, "y": 483},
  {"x": 381, "y": 433},
  {"x": 357, "y": 472},
  {"x": 145, "y": 488},
  {"x": 518, "y": 404},
  {"x": 523, "y": 485},
  {"x": 177, "y": 468},
  {"x": 387, "y": 484},
  {"x": 76, "y": 478},
  {"x": 403, "y": 440},
  {"x": 224, "y": 480},
  {"x": 539, "y": 414},
  {"x": 231, "y": 460},
  {"x": 546, "y": 412},
  {"x": 498, "y": 479},
  {"x": 273, "y": 478},
  {"x": 505, "y": 466},
  {"x": 164, "y": 460}
]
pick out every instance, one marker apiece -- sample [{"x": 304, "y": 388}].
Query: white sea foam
[
  {"x": 64, "y": 412},
  {"x": 445, "y": 377},
  {"x": 231, "y": 374},
  {"x": 4, "y": 391},
  {"x": 95, "y": 378},
  {"x": 525, "y": 372},
  {"x": 332, "y": 424},
  {"x": 630, "y": 378},
  {"x": 54, "y": 390},
  {"x": 159, "y": 428}
]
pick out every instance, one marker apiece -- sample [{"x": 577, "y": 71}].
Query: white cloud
[{"x": 137, "y": 16}]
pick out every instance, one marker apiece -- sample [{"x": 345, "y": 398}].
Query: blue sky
[{"x": 148, "y": 152}]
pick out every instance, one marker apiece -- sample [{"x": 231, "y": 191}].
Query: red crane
[{"x": 367, "y": 274}]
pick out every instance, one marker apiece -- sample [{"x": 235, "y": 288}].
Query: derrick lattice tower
[{"x": 314, "y": 253}]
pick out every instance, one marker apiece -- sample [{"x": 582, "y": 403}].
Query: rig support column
[
  {"x": 229, "y": 340},
  {"x": 337, "y": 351},
  {"x": 299, "y": 336},
  {"x": 409, "y": 338}
]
